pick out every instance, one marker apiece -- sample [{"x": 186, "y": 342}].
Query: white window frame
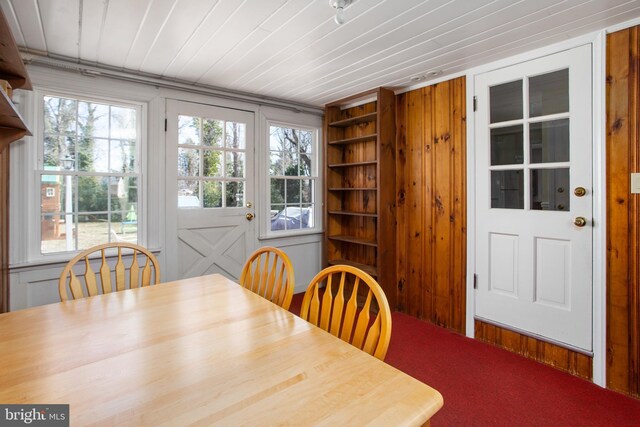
[
  {"x": 265, "y": 184},
  {"x": 35, "y": 241}
]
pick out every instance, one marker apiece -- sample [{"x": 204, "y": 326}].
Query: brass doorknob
[
  {"x": 580, "y": 191},
  {"x": 249, "y": 216},
  {"x": 580, "y": 221}
]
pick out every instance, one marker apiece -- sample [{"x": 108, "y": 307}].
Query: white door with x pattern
[{"x": 210, "y": 188}]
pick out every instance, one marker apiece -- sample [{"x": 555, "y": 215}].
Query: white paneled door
[
  {"x": 210, "y": 189},
  {"x": 534, "y": 197}
]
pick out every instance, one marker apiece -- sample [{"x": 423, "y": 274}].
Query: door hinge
[
  {"x": 475, "y": 281},
  {"x": 165, "y": 125},
  {"x": 475, "y": 103}
]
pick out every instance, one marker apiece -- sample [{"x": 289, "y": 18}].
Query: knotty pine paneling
[
  {"x": 431, "y": 203},
  {"x": 559, "y": 357},
  {"x": 623, "y": 211}
]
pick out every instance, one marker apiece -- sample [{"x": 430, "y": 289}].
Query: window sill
[{"x": 58, "y": 261}]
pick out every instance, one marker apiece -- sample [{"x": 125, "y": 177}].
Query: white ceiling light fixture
[{"x": 339, "y": 6}]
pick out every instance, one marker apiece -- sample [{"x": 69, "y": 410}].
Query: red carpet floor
[{"x": 484, "y": 385}]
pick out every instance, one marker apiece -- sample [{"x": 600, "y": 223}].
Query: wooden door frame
[{"x": 597, "y": 42}]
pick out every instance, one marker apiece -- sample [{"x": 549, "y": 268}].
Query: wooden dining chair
[
  {"x": 269, "y": 273},
  {"x": 352, "y": 306},
  {"x": 71, "y": 287}
]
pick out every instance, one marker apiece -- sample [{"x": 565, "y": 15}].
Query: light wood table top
[{"x": 198, "y": 351}]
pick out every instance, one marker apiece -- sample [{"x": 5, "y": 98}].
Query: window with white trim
[
  {"x": 89, "y": 173},
  {"x": 293, "y": 179}
]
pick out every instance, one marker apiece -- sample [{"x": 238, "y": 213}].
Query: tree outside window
[
  {"x": 90, "y": 159},
  {"x": 292, "y": 175},
  {"x": 211, "y": 163}
]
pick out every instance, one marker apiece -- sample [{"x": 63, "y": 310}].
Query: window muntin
[
  {"x": 211, "y": 163},
  {"x": 293, "y": 178},
  {"x": 529, "y": 134},
  {"x": 88, "y": 173}
]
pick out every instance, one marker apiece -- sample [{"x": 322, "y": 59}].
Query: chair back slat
[
  {"x": 313, "y": 308},
  {"x": 262, "y": 285},
  {"x": 134, "y": 271},
  {"x": 120, "y": 279},
  {"x": 338, "y": 307},
  {"x": 281, "y": 283},
  {"x": 362, "y": 325},
  {"x": 350, "y": 313},
  {"x": 76, "y": 286},
  {"x": 349, "y": 321},
  {"x": 325, "y": 308},
  {"x": 90, "y": 278},
  {"x": 105, "y": 275},
  {"x": 260, "y": 275},
  {"x": 372, "y": 336},
  {"x": 270, "y": 284},
  {"x": 146, "y": 273},
  {"x": 254, "y": 285},
  {"x": 71, "y": 287}
]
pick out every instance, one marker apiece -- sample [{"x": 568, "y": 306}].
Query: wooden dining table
[{"x": 201, "y": 351}]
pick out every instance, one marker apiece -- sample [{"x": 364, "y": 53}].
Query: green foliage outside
[{"x": 69, "y": 136}]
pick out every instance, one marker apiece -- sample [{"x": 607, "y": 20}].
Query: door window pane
[
  {"x": 549, "y": 93},
  {"x": 188, "y": 193},
  {"x": 212, "y": 194},
  {"x": 550, "y": 189},
  {"x": 549, "y": 141},
  {"x": 236, "y": 135},
  {"x": 235, "y": 194},
  {"x": 235, "y": 164},
  {"x": 188, "y": 130},
  {"x": 507, "y": 189},
  {"x": 212, "y": 132},
  {"x": 506, "y": 145},
  {"x": 188, "y": 162},
  {"x": 505, "y": 102}
]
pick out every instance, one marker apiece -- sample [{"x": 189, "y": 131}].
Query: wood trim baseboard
[{"x": 561, "y": 358}]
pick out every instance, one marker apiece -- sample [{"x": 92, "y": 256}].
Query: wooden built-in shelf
[
  {"x": 354, "y": 120},
  {"x": 370, "y": 215},
  {"x": 355, "y": 240},
  {"x": 10, "y": 120},
  {"x": 359, "y": 148},
  {"x": 12, "y": 128},
  {"x": 344, "y": 165},
  {"x": 372, "y": 271},
  {"x": 355, "y": 140},
  {"x": 12, "y": 68}
]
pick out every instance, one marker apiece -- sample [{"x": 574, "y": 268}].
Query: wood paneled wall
[
  {"x": 623, "y": 211},
  {"x": 544, "y": 352},
  {"x": 431, "y": 203}
]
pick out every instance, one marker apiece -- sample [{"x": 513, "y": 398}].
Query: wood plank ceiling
[{"x": 292, "y": 49}]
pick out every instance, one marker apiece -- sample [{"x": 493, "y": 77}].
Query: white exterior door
[
  {"x": 534, "y": 197},
  {"x": 210, "y": 189}
]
